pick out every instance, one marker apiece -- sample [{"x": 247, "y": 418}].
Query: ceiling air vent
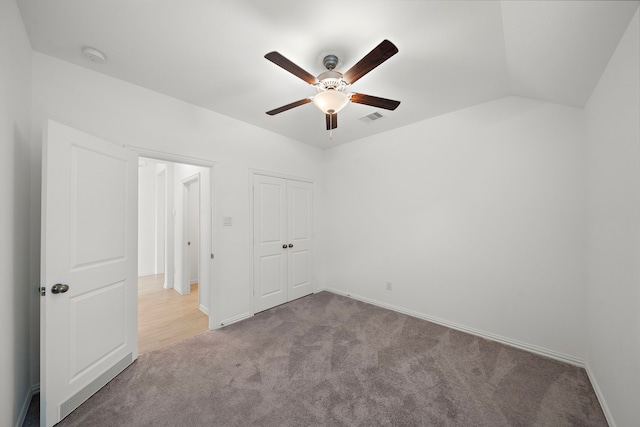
[{"x": 372, "y": 117}]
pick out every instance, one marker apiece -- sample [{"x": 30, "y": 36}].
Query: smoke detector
[{"x": 93, "y": 55}]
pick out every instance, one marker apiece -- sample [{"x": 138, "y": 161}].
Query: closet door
[
  {"x": 299, "y": 233},
  {"x": 269, "y": 242},
  {"x": 282, "y": 241}
]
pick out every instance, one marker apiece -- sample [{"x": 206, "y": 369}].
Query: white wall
[
  {"x": 147, "y": 219},
  {"x": 15, "y": 87},
  {"x": 161, "y": 218},
  {"x": 613, "y": 131},
  {"x": 128, "y": 114},
  {"x": 476, "y": 217},
  {"x": 169, "y": 268}
]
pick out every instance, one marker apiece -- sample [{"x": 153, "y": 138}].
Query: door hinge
[
  {"x": 42, "y": 291},
  {"x": 212, "y": 257}
]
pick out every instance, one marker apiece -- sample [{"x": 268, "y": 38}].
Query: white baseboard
[
  {"x": 576, "y": 361},
  {"x": 235, "y": 319},
  {"x": 181, "y": 291},
  {"x": 603, "y": 403},
  {"x": 25, "y": 404},
  {"x": 203, "y": 309}
]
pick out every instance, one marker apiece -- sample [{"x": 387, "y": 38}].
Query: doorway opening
[{"x": 174, "y": 243}]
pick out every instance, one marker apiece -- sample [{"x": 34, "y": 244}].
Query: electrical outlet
[{"x": 389, "y": 286}]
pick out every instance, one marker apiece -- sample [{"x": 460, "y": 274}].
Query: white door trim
[
  {"x": 252, "y": 173},
  {"x": 214, "y": 289}
]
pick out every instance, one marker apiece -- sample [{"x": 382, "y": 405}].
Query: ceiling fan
[{"x": 331, "y": 86}]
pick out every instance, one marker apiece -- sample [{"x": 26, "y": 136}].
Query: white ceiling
[{"x": 452, "y": 54}]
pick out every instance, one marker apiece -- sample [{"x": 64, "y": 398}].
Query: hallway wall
[
  {"x": 19, "y": 281},
  {"x": 147, "y": 182}
]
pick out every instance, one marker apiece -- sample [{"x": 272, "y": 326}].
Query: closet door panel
[
  {"x": 300, "y": 234},
  {"x": 269, "y": 234}
]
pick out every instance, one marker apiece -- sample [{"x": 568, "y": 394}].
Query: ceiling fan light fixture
[
  {"x": 332, "y": 86},
  {"x": 330, "y": 101}
]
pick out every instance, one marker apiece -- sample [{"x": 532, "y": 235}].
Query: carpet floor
[{"x": 328, "y": 360}]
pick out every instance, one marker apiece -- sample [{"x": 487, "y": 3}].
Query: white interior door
[
  {"x": 269, "y": 245},
  {"x": 299, "y": 233},
  {"x": 193, "y": 230},
  {"x": 89, "y": 243}
]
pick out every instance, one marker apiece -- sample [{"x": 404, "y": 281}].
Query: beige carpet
[{"x": 330, "y": 360}]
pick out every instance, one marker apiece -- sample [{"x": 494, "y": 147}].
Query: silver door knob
[{"x": 59, "y": 288}]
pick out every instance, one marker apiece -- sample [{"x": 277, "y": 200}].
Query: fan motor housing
[
  {"x": 330, "y": 62},
  {"x": 331, "y": 80}
]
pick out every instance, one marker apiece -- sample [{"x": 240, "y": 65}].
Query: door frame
[
  {"x": 253, "y": 172},
  {"x": 214, "y": 291}
]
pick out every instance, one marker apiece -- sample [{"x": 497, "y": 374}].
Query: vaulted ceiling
[{"x": 452, "y": 54}]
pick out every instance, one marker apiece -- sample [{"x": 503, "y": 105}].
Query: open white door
[{"x": 89, "y": 244}]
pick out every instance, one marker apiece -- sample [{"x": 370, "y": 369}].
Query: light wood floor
[{"x": 164, "y": 316}]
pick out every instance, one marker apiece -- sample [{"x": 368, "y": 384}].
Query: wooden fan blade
[
  {"x": 377, "y": 56},
  {"x": 374, "y": 101},
  {"x": 332, "y": 121},
  {"x": 283, "y": 62},
  {"x": 289, "y": 106}
]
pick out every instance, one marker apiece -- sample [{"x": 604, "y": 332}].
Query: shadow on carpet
[{"x": 331, "y": 360}]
